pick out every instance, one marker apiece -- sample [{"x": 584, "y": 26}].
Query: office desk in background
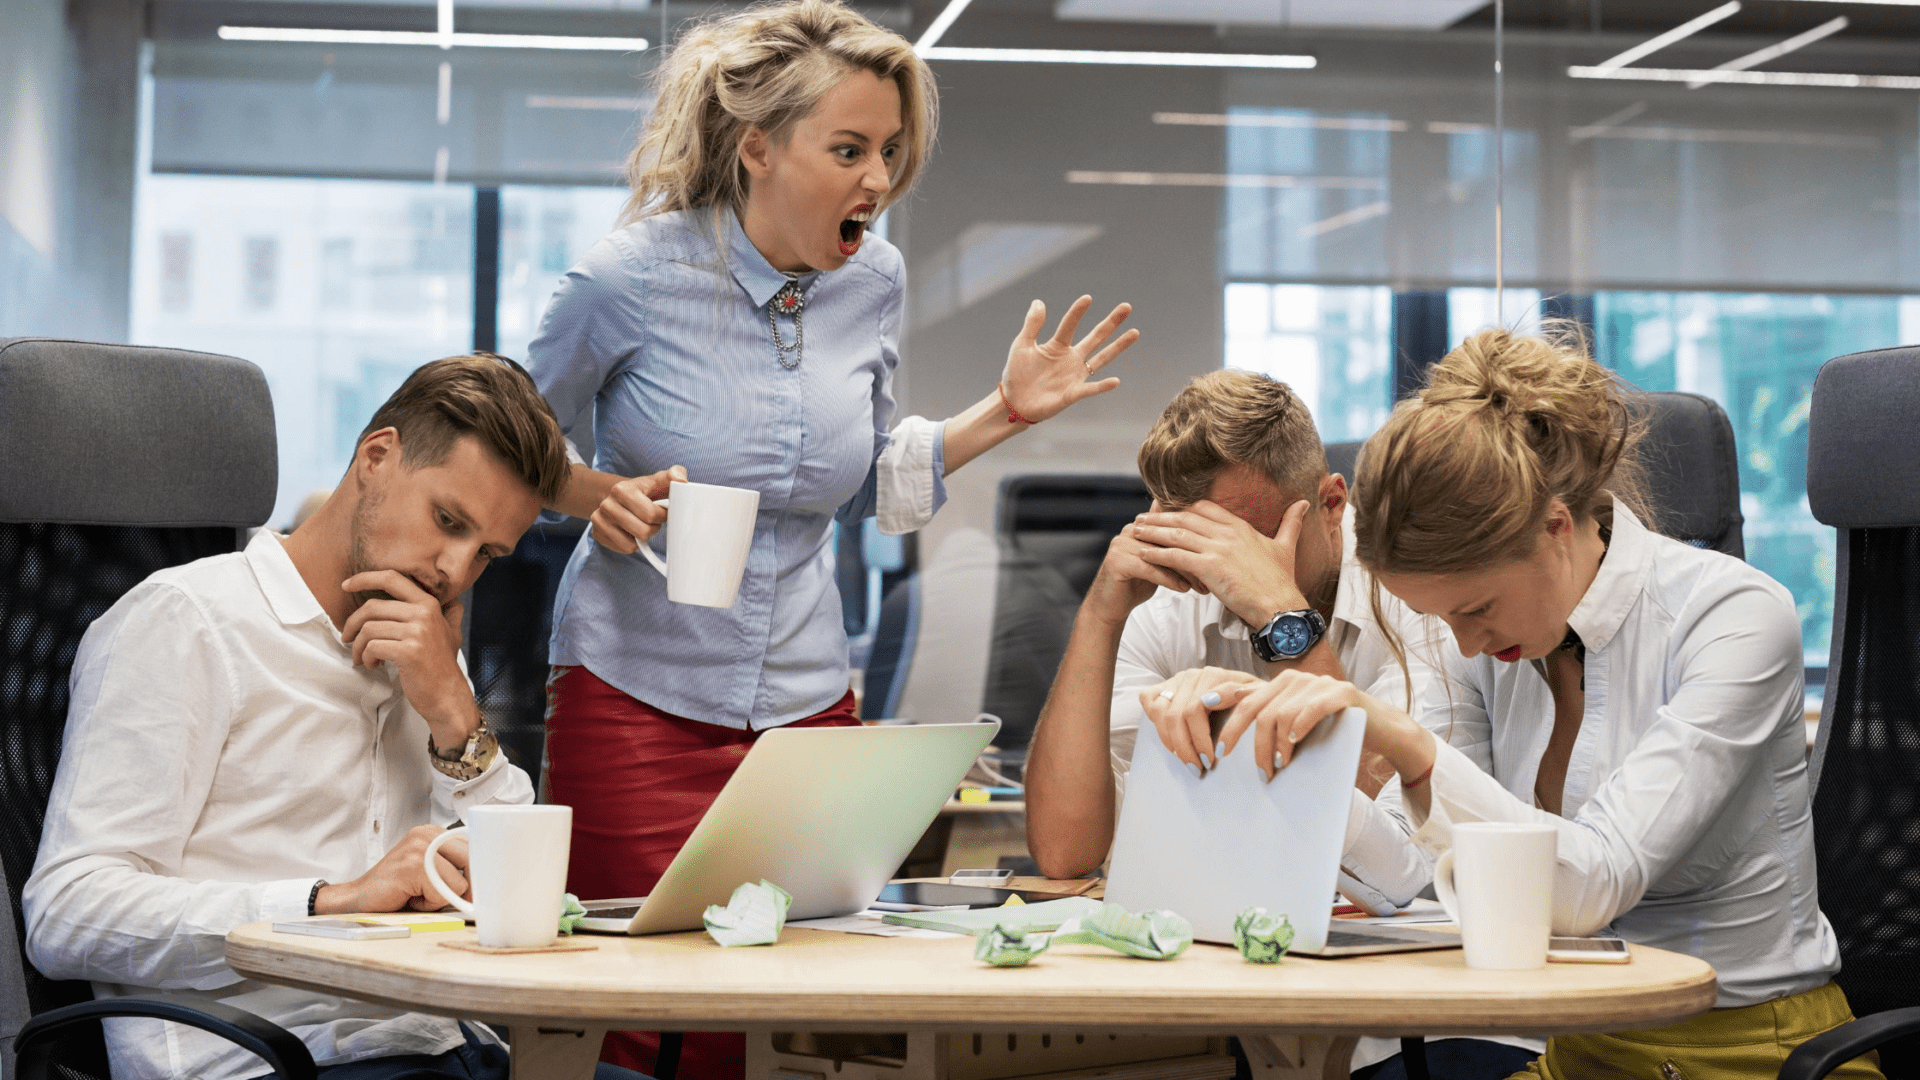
[{"x": 1302, "y": 1014}]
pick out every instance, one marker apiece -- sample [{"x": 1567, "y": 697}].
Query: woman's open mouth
[
  {"x": 1510, "y": 654},
  {"x": 853, "y": 229}
]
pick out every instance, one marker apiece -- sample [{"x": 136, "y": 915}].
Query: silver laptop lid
[
  {"x": 1211, "y": 848},
  {"x": 825, "y": 813}
]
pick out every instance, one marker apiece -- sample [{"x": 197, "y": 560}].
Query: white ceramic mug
[
  {"x": 1497, "y": 883},
  {"x": 710, "y": 531},
  {"x": 517, "y": 865}
]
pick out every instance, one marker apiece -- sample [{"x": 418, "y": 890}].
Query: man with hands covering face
[
  {"x": 1242, "y": 570},
  {"x": 279, "y": 732}
]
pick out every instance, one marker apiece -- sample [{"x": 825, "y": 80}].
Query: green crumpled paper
[
  {"x": 1150, "y": 935},
  {"x": 1262, "y": 936},
  {"x": 754, "y": 915},
  {"x": 1002, "y": 947},
  {"x": 571, "y": 913}
]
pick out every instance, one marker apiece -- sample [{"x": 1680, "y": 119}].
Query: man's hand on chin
[
  {"x": 420, "y": 637},
  {"x": 1253, "y": 575}
]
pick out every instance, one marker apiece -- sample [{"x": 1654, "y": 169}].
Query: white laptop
[
  {"x": 827, "y": 814},
  {"x": 1213, "y": 847}
]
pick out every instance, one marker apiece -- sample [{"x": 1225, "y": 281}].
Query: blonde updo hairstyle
[
  {"x": 1463, "y": 475},
  {"x": 767, "y": 67}
]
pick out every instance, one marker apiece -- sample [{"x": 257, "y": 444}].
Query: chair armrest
[
  {"x": 1826, "y": 1052},
  {"x": 283, "y": 1052}
]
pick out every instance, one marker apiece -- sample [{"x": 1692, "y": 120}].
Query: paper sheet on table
[
  {"x": 754, "y": 916},
  {"x": 1020, "y": 918},
  {"x": 868, "y": 922}
]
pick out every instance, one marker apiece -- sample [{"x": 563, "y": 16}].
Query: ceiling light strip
[
  {"x": 1332, "y": 123},
  {"x": 430, "y": 38},
  {"x": 1150, "y": 59},
  {"x": 1252, "y": 180},
  {"x": 1753, "y": 78},
  {"x": 1774, "y": 52},
  {"x": 939, "y": 25},
  {"x": 1684, "y": 30}
]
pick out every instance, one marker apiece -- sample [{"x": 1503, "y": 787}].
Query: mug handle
[
  {"x": 1443, "y": 885},
  {"x": 647, "y": 549},
  {"x": 433, "y": 874}
]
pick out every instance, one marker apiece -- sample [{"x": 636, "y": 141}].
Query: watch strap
[{"x": 468, "y": 761}]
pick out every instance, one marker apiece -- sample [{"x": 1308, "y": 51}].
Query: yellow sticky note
[
  {"x": 1013, "y": 900},
  {"x": 974, "y": 795}
]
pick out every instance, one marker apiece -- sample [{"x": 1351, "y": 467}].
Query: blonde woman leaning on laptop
[{"x": 1642, "y": 696}]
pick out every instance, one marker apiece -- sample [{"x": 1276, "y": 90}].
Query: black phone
[{"x": 932, "y": 894}]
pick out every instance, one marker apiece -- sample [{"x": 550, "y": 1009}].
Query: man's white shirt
[{"x": 222, "y": 755}]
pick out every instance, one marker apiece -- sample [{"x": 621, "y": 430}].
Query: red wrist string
[
  {"x": 1418, "y": 780},
  {"x": 1013, "y": 414}
]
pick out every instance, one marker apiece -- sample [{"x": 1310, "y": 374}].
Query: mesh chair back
[
  {"x": 510, "y": 620},
  {"x": 1862, "y": 479},
  {"x": 1693, "y": 472},
  {"x": 120, "y": 461}
]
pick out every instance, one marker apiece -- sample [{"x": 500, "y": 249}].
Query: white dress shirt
[
  {"x": 222, "y": 754},
  {"x": 1686, "y": 820}
]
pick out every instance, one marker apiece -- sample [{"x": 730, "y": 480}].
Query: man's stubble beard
[{"x": 358, "y": 561}]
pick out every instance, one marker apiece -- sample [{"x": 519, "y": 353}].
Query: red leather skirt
[{"x": 639, "y": 780}]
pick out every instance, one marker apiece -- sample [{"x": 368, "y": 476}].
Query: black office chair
[
  {"x": 119, "y": 462},
  {"x": 509, "y": 622},
  {"x": 1863, "y": 480},
  {"x": 1050, "y": 535},
  {"x": 1693, "y": 472}
]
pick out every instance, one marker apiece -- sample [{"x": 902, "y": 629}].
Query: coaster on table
[{"x": 559, "y": 945}]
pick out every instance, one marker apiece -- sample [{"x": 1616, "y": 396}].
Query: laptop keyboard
[{"x": 627, "y": 912}]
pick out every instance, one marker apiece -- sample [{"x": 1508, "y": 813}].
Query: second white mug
[
  {"x": 1497, "y": 883},
  {"x": 517, "y": 866},
  {"x": 709, "y": 533}
]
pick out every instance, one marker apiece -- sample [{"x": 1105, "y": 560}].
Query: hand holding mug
[{"x": 631, "y": 513}]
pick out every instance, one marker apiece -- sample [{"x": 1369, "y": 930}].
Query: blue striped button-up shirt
[{"x": 674, "y": 351}]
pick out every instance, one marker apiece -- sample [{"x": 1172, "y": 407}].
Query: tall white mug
[
  {"x": 517, "y": 865},
  {"x": 1497, "y": 883},
  {"x": 709, "y": 532}
]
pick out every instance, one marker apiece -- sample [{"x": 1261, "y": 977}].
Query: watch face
[{"x": 1292, "y": 636}]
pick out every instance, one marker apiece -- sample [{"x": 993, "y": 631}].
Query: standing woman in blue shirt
[{"x": 742, "y": 328}]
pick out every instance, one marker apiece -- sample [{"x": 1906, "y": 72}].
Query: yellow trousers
[{"x": 1723, "y": 1044}]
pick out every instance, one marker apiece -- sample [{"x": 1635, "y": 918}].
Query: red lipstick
[{"x": 1511, "y": 654}]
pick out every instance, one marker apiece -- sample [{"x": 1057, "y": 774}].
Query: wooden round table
[{"x": 558, "y": 1004}]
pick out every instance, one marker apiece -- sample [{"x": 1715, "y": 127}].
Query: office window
[
  {"x": 335, "y": 288},
  {"x": 1757, "y": 354},
  {"x": 1309, "y": 193},
  {"x": 543, "y": 232},
  {"x": 1331, "y": 343},
  {"x": 1470, "y": 311}
]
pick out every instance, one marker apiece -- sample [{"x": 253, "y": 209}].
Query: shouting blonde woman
[
  {"x": 743, "y": 328},
  {"x": 1641, "y": 696}
]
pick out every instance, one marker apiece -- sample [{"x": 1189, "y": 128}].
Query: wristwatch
[
  {"x": 1288, "y": 635},
  {"x": 470, "y": 759}
]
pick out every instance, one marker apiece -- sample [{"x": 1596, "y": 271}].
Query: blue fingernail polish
[
  {"x": 1194, "y": 769},
  {"x": 1278, "y": 762},
  {"x": 1211, "y": 699},
  {"x": 1207, "y": 761},
  {"x": 1220, "y": 749}
]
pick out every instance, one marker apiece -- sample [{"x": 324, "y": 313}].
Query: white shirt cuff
[
  {"x": 909, "y": 484},
  {"x": 286, "y": 899}
]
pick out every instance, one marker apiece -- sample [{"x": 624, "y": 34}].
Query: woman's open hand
[{"x": 1042, "y": 378}]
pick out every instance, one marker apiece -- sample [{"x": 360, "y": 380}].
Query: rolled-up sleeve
[
  {"x": 907, "y": 484},
  {"x": 105, "y": 900},
  {"x": 1739, "y": 677}
]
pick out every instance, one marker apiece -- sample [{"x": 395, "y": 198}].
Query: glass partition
[{"x": 335, "y": 288}]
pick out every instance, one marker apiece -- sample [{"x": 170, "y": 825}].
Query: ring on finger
[
  {"x": 1166, "y": 695},
  {"x": 1088, "y": 364}
]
